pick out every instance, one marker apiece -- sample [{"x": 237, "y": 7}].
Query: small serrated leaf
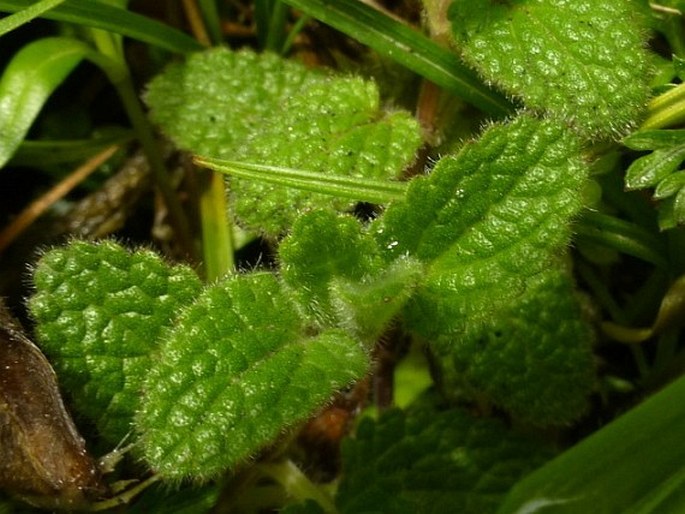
[
  {"x": 484, "y": 221},
  {"x": 213, "y": 102},
  {"x": 431, "y": 462},
  {"x": 266, "y": 110},
  {"x": 670, "y": 185},
  {"x": 583, "y": 61},
  {"x": 99, "y": 311},
  {"x": 233, "y": 374},
  {"x": 651, "y": 169},
  {"x": 654, "y": 139},
  {"x": 679, "y": 207},
  {"x": 535, "y": 358}
]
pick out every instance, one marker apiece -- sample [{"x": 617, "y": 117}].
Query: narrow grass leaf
[
  {"x": 28, "y": 81},
  {"x": 101, "y": 15},
  {"x": 24, "y": 16},
  {"x": 354, "y": 188},
  {"x": 626, "y": 466}
]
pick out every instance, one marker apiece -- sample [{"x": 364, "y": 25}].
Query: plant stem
[
  {"x": 217, "y": 236},
  {"x": 196, "y": 22},
  {"x": 210, "y": 14},
  {"x": 666, "y": 110},
  {"x": 114, "y": 65},
  {"x": 297, "y": 484}
]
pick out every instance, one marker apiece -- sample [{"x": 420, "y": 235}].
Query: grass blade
[
  {"x": 24, "y": 16},
  {"x": 365, "y": 190},
  {"x": 27, "y": 82},
  {"x": 103, "y": 16},
  {"x": 631, "y": 465}
]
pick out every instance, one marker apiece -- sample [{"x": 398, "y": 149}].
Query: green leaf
[
  {"x": 428, "y": 461},
  {"x": 101, "y": 15},
  {"x": 99, "y": 311},
  {"x": 484, "y": 221},
  {"x": 213, "y": 102},
  {"x": 321, "y": 247},
  {"x": 670, "y": 185},
  {"x": 28, "y": 81},
  {"x": 654, "y": 139},
  {"x": 634, "y": 464},
  {"x": 262, "y": 109},
  {"x": 405, "y": 45},
  {"x": 660, "y": 169},
  {"x": 336, "y": 127},
  {"x": 582, "y": 61},
  {"x": 18, "y": 19},
  {"x": 651, "y": 169},
  {"x": 235, "y": 373},
  {"x": 41, "y": 153},
  {"x": 534, "y": 359}
]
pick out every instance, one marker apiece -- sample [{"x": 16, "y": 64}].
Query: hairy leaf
[
  {"x": 428, "y": 461},
  {"x": 214, "y": 101},
  {"x": 583, "y": 61},
  {"x": 534, "y": 359},
  {"x": 233, "y": 374},
  {"x": 266, "y": 110},
  {"x": 99, "y": 311},
  {"x": 484, "y": 221}
]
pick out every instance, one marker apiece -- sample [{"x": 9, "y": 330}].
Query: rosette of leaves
[
  {"x": 534, "y": 359},
  {"x": 334, "y": 272},
  {"x": 260, "y": 108},
  {"x": 583, "y": 62},
  {"x": 99, "y": 311},
  {"x": 429, "y": 461},
  {"x": 660, "y": 169}
]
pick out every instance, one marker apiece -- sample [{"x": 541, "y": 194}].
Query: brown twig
[
  {"x": 61, "y": 189},
  {"x": 197, "y": 25}
]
